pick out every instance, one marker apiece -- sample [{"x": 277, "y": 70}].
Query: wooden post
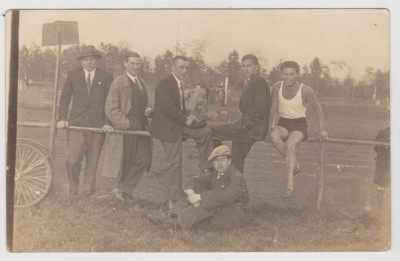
[
  {"x": 320, "y": 183},
  {"x": 57, "y": 34},
  {"x": 53, "y": 124},
  {"x": 226, "y": 91}
]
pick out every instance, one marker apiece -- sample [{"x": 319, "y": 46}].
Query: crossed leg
[{"x": 286, "y": 144}]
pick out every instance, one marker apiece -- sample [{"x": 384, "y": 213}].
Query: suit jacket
[
  {"x": 216, "y": 193},
  {"x": 86, "y": 110},
  {"x": 121, "y": 99},
  {"x": 168, "y": 118},
  {"x": 255, "y": 105}
]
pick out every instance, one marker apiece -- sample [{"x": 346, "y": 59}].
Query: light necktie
[
  {"x": 88, "y": 83},
  {"x": 246, "y": 82}
]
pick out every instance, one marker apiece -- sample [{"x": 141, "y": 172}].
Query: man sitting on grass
[
  {"x": 290, "y": 98},
  {"x": 220, "y": 194}
]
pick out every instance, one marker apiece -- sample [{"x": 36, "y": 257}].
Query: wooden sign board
[{"x": 59, "y": 33}]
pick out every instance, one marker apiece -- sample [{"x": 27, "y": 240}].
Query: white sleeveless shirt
[{"x": 293, "y": 108}]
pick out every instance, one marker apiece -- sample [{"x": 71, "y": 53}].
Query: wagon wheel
[{"x": 33, "y": 173}]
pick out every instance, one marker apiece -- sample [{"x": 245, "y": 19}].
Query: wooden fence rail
[{"x": 321, "y": 150}]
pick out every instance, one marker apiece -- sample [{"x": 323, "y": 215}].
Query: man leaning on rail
[
  {"x": 87, "y": 87},
  {"x": 127, "y": 108}
]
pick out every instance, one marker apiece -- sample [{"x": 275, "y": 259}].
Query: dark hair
[
  {"x": 251, "y": 57},
  {"x": 130, "y": 54},
  {"x": 290, "y": 64},
  {"x": 179, "y": 57}
]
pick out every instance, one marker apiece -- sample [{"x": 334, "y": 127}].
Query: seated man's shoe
[{"x": 163, "y": 221}]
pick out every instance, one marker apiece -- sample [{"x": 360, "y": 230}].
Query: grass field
[{"x": 343, "y": 224}]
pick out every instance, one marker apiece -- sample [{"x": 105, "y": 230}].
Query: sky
[{"x": 360, "y": 37}]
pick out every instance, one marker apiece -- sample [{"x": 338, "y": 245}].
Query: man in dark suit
[
  {"x": 220, "y": 195},
  {"x": 171, "y": 123},
  {"x": 254, "y": 105},
  {"x": 87, "y": 87},
  {"x": 127, "y": 108}
]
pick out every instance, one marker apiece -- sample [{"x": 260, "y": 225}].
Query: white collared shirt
[
  {"x": 92, "y": 72},
  {"x": 179, "y": 81},
  {"x": 134, "y": 79}
]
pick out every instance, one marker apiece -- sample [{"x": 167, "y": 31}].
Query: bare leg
[
  {"x": 294, "y": 139},
  {"x": 277, "y": 137}
]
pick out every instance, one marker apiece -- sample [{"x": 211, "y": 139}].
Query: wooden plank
[{"x": 146, "y": 133}]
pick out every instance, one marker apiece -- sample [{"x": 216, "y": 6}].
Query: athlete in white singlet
[{"x": 290, "y": 99}]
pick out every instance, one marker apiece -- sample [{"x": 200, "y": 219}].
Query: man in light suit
[
  {"x": 171, "y": 123},
  {"x": 127, "y": 108},
  {"x": 87, "y": 87}
]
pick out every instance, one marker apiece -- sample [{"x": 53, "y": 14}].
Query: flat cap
[
  {"x": 88, "y": 51},
  {"x": 220, "y": 151}
]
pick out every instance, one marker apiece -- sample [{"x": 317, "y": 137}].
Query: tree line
[{"x": 38, "y": 64}]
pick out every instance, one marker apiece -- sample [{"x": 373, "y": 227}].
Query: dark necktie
[
  {"x": 88, "y": 83},
  {"x": 183, "y": 96},
  {"x": 138, "y": 83}
]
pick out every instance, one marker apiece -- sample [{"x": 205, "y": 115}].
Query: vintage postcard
[{"x": 198, "y": 130}]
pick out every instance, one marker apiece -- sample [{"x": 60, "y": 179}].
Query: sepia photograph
[{"x": 198, "y": 130}]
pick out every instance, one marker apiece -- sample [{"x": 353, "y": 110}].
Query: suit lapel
[
  {"x": 143, "y": 91},
  {"x": 175, "y": 90}
]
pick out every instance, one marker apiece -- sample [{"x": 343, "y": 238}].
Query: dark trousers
[
  {"x": 241, "y": 142},
  {"x": 229, "y": 216},
  {"x": 136, "y": 160},
  {"x": 173, "y": 151},
  {"x": 83, "y": 144},
  {"x": 188, "y": 215}
]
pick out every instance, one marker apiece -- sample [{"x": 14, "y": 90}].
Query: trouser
[
  {"x": 173, "y": 151},
  {"x": 188, "y": 214},
  {"x": 83, "y": 144},
  {"x": 241, "y": 142},
  {"x": 229, "y": 216},
  {"x": 136, "y": 160}
]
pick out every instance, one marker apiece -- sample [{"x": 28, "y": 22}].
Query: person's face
[
  {"x": 89, "y": 63},
  {"x": 249, "y": 68},
  {"x": 289, "y": 76},
  {"x": 180, "y": 68},
  {"x": 132, "y": 66},
  {"x": 221, "y": 163}
]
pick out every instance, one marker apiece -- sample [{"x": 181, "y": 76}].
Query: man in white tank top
[{"x": 290, "y": 99}]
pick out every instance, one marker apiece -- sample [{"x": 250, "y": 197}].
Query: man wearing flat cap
[
  {"x": 221, "y": 195},
  {"x": 87, "y": 87}
]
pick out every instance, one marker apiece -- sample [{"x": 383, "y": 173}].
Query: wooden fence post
[{"x": 320, "y": 183}]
